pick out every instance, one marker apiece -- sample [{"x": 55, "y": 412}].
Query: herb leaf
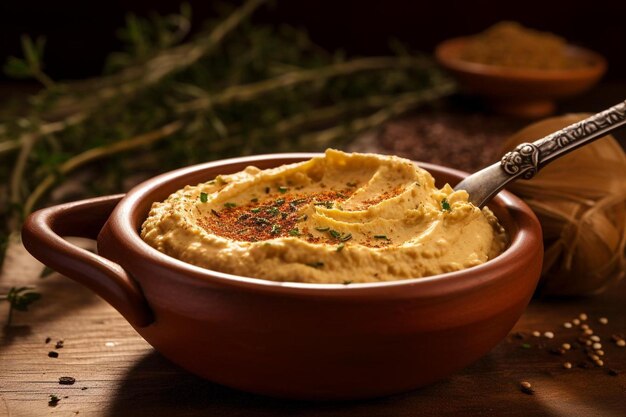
[
  {"x": 445, "y": 206},
  {"x": 204, "y": 197}
]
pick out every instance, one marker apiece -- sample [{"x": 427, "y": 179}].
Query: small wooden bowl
[{"x": 523, "y": 92}]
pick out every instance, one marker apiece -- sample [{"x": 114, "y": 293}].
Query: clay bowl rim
[
  {"x": 527, "y": 238},
  {"x": 447, "y": 53}
]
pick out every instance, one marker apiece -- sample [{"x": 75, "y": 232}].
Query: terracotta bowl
[
  {"x": 520, "y": 91},
  {"x": 290, "y": 340}
]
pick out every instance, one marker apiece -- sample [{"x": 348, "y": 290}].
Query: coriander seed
[
  {"x": 603, "y": 320},
  {"x": 536, "y": 333},
  {"x": 526, "y": 388},
  {"x": 582, "y": 316},
  {"x": 567, "y": 325},
  {"x": 548, "y": 335},
  {"x": 567, "y": 365}
]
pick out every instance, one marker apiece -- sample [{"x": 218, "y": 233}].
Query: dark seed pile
[{"x": 457, "y": 140}]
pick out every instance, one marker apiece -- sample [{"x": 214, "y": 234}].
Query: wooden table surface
[{"x": 118, "y": 374}]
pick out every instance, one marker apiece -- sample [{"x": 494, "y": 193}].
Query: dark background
[{"x": 81, "y": 33}]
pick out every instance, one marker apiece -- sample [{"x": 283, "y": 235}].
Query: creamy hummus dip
[{"x": 337, "y": 218}]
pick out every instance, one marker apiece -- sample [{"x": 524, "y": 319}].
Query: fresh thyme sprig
[
  {"x": 173, "y": 100},
  {"x": 19, "y": 298}
]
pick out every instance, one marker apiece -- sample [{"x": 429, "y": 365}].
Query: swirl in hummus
[{"x": 337, "y": 218}]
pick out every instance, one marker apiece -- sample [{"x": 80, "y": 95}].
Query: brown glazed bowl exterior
[
  {"x": 520, "y": 91},
  {"x": 291, "y": 340}
]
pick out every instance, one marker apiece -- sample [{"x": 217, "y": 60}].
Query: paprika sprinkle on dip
[{"x": 335, "y": 218}]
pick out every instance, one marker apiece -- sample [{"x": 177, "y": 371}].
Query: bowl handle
[{"x": 42, "y": 233}]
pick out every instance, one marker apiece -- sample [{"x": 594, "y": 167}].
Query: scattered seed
[
  {"x": 594, "y": 357},
  {"x": 548, "y": 335},
  {"x": 621, "y": 343},
  {"x": 566, "y": 346},
  {"x": 557, "y": 351},
  {"x": 53, "y": 401},
  {"x": 597, "y": 346},
  {"x": 59, "y": 344},
  {"x": 567, "y": 325},
  {"x": 588, "y": 343},
  {"x": 599, "y": 362},
  {"x": 576, "y": 322},
  {"x": 536, "y": 333},
  {"x": 582, "y": 316},
  {"x": 567, "y": 365},
  {"x": 84, "y": 388},
  {"x": 613, "y": 372},
  {"x": 600, "y": 352},
  {"x": 67, "y": 380},
  {"x": 584, "y": 326},
  {"x": 53, "y": 354},
  {"x": 48, "y": 340},
  {"x": 595, "y": 338},
  {"x": 588, "y": 332},
  {"x": 526, "y": 388},
  {"x": 603, "y": 320}
]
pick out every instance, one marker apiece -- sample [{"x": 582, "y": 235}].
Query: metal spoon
[{"x": 527, "y": 158}]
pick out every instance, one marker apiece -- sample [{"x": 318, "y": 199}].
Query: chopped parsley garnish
[
  {"x": 445, "y": 206},
  {"x": 283, "y": 190},
  {"x": 294, "y": 232},
  {"x": 334, "y": 233},
  {"x": 302, "y": 218},
  {"x": 322, "y": 229},
  {"x": 261, "y": 220},
  {"x": 204, "y": 197},
  {"x": 327, "y": 204},
  {"x": 298, "y": 201},
  {"x": 315, "y": 264},
  {"x": 244, "y": 216},
  {"x": 346, "y": 237},
  {"x": 381, "y": 237},
  {"x": 280, "y": 201},
  {"x": 211, "y": 182},
  {"x": 230, "y": 205},
  {"x": 275, "y": 229},
  {"x": 273, "y": 211},
  {"x": 340, "y": 247},
  {"x": 255, "y": 210},
  {"x": 347, "y": 282},
  {"x": 215, "y": 213}
]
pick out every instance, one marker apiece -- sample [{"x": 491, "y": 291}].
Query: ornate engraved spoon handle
[{"x": 527, "y": 158}]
